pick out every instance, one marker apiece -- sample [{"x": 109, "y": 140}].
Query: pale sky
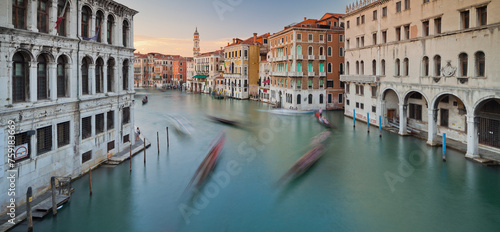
[{"x": 167, "y": 26}]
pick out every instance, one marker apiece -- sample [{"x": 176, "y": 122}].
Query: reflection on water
[{"x": 361, "y": 183}]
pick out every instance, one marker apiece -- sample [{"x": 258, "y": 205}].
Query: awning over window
[{"x": 200, "y": 76}]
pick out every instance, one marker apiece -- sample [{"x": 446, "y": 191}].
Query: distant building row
[{"x": 296, "y": 68}]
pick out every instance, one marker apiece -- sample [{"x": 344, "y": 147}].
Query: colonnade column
[
  {"x": 472, "y": 136},
  {"x": 402, "y": 119},
  {"x": 432, "y": 126}
]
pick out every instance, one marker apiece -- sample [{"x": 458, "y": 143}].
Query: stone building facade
[
  {"x": 69, "y": 91},
  {"x": 426, "y": 66}
]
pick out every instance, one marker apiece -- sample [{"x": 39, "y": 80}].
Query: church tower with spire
[{"x": 196, "y": 48}]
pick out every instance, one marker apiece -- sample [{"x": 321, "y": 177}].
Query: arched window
[
  {"x": 437, "y": 65},
  {"x": 310, "y": 98},
  {"x": 329, "y": 51},
  {"x": 362, "y": 67},
  {"x": 42, "y": 78},
  {"x": 321, "y": 51},
  {"x": 299, "y": 50},
  {"x": 480, "y": 64},
  {"x": 299, "y": 67},
  {"x": 329, "y": 67},
  {"x": 406, "y": 67},
  {"x": 397, "y": 67},
  {"x": 43, "y": 16},
  {"x": 310, "y": 51},
  {"x": 99, "y": 72},
  {"x": 321, "y": 67},
  {"x": 20, "y": 78},
  {"x": 464, "y": 62},
  {"x": 341, "y": 51},
  {"x": 125, "y": 32},
  {"x": 19, "y": 13},
  {"x": 341, "y": 68},
  {"x": 86, "y": 16},
  {"x": 347, "y": 68},
  {"x": 382, "y": 67},
  {"x": 374, "y": 67},
  {"x": 61, "y": 77},
  {"x": 98, "y": 25},
  {"x": 321, "y": 99},
  {"x": 85, "y": 76},
  {"x": 357, "y": 67},
  {"x": 62, "y": 5},
  {"x": 298, "y": 99},
  {"x": 125, "y": 74},
  {"x": 425, "y": 66},
  {"x": 111, "y": 22}
]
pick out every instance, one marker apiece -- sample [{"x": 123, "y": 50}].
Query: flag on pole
[
  {"x": 60, "y": 18},
  {"x": 93, "y": 38}
]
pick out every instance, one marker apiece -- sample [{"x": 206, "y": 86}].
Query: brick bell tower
[{"x": 196, "y": 48}]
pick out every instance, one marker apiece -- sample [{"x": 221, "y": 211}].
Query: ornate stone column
[
  {"x": 53, "y": 17},
  {"x": 105, "y": 77},
  {"x": 52, "y": 81},
  {"x": 92, "y": 79},
  {"x": 33, "y": 82}
]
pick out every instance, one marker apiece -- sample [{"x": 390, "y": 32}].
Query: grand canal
[{"x": 362, "y": 182}]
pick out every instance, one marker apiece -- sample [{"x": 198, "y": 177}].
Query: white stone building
[
  {"x": 427, "y": 65},
  {"x": 70, "y": 99}
]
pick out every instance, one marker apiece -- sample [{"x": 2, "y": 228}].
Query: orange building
[{"x": 305, "y": 64}]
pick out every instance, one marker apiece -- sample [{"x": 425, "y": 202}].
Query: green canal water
[{"x": 361, "y": 183}]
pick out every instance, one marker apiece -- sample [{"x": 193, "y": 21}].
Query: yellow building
[{"x": 241, "y": 66}]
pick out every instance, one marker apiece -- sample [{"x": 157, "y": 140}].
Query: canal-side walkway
[
  {"x": 38, "y": 201},
  {"x": 487, "y": 157}
]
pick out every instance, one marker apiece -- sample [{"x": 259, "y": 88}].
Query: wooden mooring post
[
  {"x": 158, "y": 141},
  {"x": 90, "y": 181},
  {"x": 380, "y": 126},
  {"x": 54, "y": 199},
  {"x": 368, "y": 121},
  {"x": 168, "y": 142},
  {"x": 131, "y": 157},
  {"x": 29, "y": 216},
  {"x": 144, "y": 150}
]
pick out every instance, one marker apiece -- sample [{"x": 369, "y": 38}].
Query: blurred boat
[
  {"x": 287, "y": 112},
  {"x": 181, "y": 124},
  {"x": 208, "y": 164},
  {"x": 145, "y": 100},
  {"x": 323, "y": 121},
  {"x": 321, "y": 138},
  {"x": 224, "y": 121},
  {"x": 304, "y": 163}
]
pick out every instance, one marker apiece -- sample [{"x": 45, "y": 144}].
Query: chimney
[
  {"x": 234, "y": 40},
  {"x": 305, "y": 18},
  {"x": 254, "y": 38}
]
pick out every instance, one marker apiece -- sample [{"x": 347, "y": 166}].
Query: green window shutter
[
  {"x": 321, "y": 67},
  {"x": 298, "y": 83},
  {"x": 299, "y": 67},
  {"x": 310, "y": 67},
  {"x": 299, "y": 50}
]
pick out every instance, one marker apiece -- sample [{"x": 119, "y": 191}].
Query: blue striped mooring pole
[
  {"x": 354, "y": 117},
  {"x": 380, "y": 125},
  {"x": 444, "y": 147},
  {"x": 368, "y": 121}
]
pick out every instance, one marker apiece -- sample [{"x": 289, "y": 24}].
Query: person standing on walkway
[{"x": 138, "y": 133}]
